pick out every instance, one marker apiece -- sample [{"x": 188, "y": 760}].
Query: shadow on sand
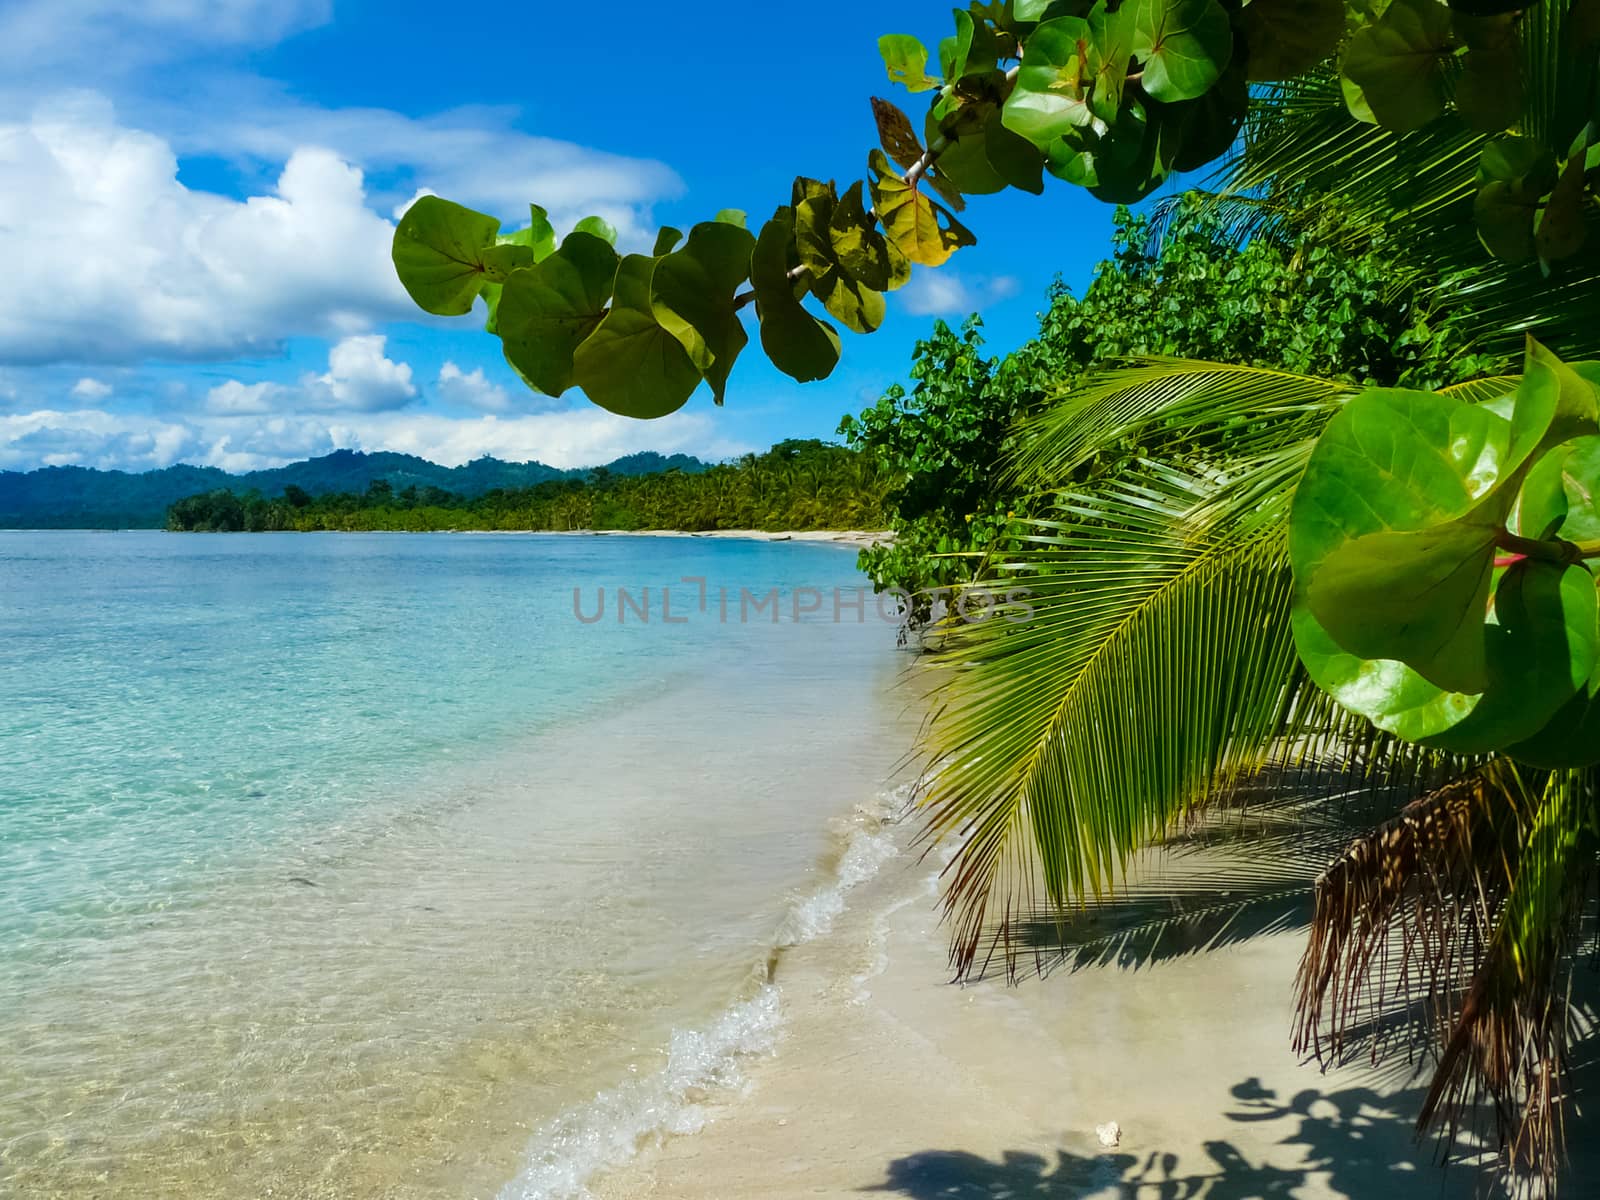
[{"x": 1355, "y": 1142}]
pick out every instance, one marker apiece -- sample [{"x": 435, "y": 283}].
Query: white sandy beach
[
  {"x": 844, "y": 537},
  {"x": 889, "y": 1080}
]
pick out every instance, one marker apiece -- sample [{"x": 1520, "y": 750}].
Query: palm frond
[
  {"x": 1448, "y": 930},
  {"x": 1067, "y": 741},
  {"x": 1179, "y": 409}
]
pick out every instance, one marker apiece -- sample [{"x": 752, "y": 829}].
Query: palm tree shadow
[{"x": 1355, "y": 1142}]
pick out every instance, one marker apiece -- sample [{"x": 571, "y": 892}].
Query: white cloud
[
  {"x": 114, "y": 35},
  {"x": 944, "y": 293},
  {"x": 91, "y": 390},
  {"x": 110, "y": 259},
  {"x": 359, "y": 378},
  {"x": 577, "y": 437},
  {"x": 475, "y": 156},
  {"x": 471, "y": 389}
]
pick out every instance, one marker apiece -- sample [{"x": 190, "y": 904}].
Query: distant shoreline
[{"x": 840, "y": 537}]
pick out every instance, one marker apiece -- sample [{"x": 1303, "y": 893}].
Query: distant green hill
[{"x": 83, "y": 498}]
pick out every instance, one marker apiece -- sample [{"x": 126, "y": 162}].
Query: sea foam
[{"x": 567, "y": 1152}]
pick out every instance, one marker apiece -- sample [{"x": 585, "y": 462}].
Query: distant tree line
[{"x": 798, "y": 484}]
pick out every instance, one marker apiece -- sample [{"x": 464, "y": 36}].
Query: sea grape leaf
[
  {"x": 1513, "y": 174},
  {"x": 539, "y": 236},
  {"x": 630, "y": 365},
  {"x": 1561, "y": 230},
  {"x": 1112, "y": 37},
  {"x": 1126, "y": 163},
  {"x": 1571, "y": 738},
  {"x": 1489, "y": 93},
  {"x": 860, "y": 250},
  {"x": 965, "y": 162},
  {"x": 1184, "y": 45},
  {"x": 692, "y": 294},
  {"x": 666, "y": 239},
  {"x": 895, "y": 133},
  {"x": 1051, "y": 94},
  {"x": 1397, "y": 461},
  {"x": 1561, "y": 496},
  {"x": 733, "y": 216},
  {"x": 1398, "y": 63},
  {"x": 921, "y": 230},
  {"x": 906, "y": 59},
  {"x": 859, "y": 306},
  {"x": 1289, "y": 37},
  {"x": 439, "y": 254},
  {"x": 798, "y": 344},
  {"x": 1014, "y": 158},
  {"x": 1543, "y": 643},
  {"x": 1388, "y": 693},
  {"x": 546, "y": 311},
  {"x": 1552, "y": 404},
  {"x": 1195, "y": 132},
  {"x": 1030, "y": 10},
  {"x": 599, "y": 227},
  {"x": 1418, "y": 596}
]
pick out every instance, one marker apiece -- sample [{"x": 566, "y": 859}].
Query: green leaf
[
  {"x": 733, "y": 216},
  {"x": 1398, "y": 63},
  {"x": 865, "y": 254},
  {"x": 1417, "y": 596},
  {"x": 1388, "y": 693},
  {"x": 1126, "y": 162},
  {"x": 1543, "y": 640},
  {"x": 1184, "y": 45},
  {"x": 666, "y": 239},
  {"x": 1030, "y": 10},
  {"x": 1561, "y": 231},
  {"x": 965, "y": 162},
  {"x": 1196, "y": 132},
  {"x": 546, "y": 311},
  {"x": 1513, "y": 174},
  {"x": 539, "y": 236},
  {"x": 599, "y": 227},
  {"x": 1289, "y": 37},
  {"x": 1396, "y": 461},
  {"x": 439, "y": 254},
  {"x": 630, "y": 365},
  {"x": 907, "y": 61},
  {"x": 1051, "y": 94},
  {"x": 798, "y": 344},
  {"x": 1571, "y": 738},
  {"x": 1014, "y": 158},
  {"x": 921, "y": 230},
  {"x": 693, "y": 294},
  {"x": 853, "y": 302},
  {"x": 1489, "y": 93}
]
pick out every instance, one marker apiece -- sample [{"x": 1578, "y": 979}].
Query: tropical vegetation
[
  {"x": 798, "y": 484},
  {"x": 1240, "y": 566}
]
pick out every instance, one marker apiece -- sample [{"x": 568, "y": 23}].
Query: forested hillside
[
  {"x": 795, "y": 485},
  {"x": 82, "y": 498}
]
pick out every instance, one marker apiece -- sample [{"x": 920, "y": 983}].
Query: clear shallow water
[{"x": 356, "y": 865}]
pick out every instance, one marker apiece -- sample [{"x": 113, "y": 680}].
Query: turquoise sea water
[{"x": 359, "y": 865}]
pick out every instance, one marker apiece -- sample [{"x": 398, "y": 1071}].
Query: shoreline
[{"x": 889, "y": 1079}]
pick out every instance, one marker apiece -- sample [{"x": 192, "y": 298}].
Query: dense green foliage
[
  {"x": 795, "y": 485},
  {"x": 1113, "y": 97},
  {"x": 83, "y": 498},
  {"x": 1441, "y": 548},
  {"x": 1308, "y": 299}
]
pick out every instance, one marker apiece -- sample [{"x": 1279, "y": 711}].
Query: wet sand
[{"x": 889, "y": 1080}]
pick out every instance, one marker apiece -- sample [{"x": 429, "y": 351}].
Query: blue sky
[{"x": 196, "y": 198}]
